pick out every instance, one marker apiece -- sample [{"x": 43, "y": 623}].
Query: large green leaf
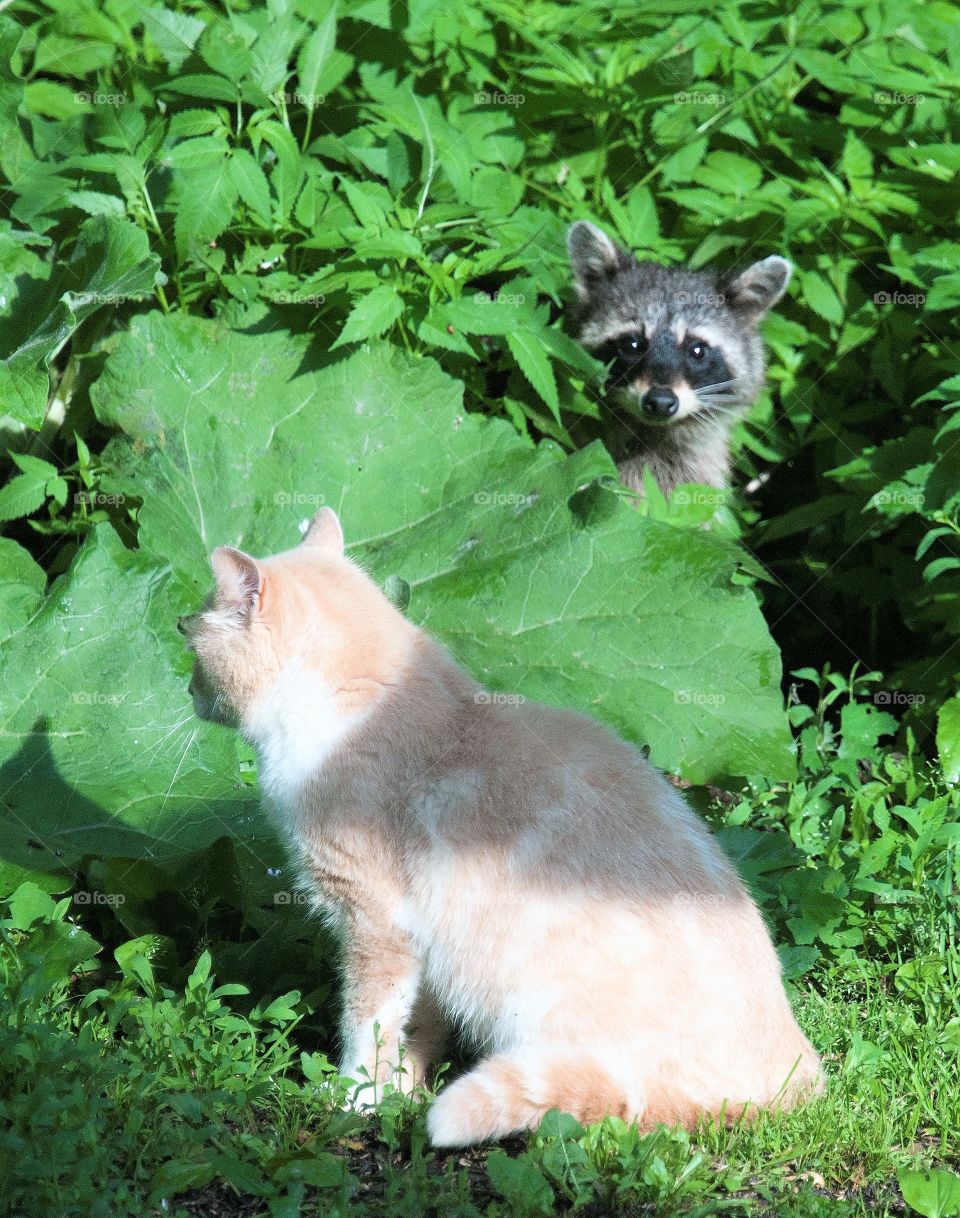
[
  {"x": 97, "y": 745},
  {"x": 111, "y": 263},
  {"x": 541, "y": 581}
]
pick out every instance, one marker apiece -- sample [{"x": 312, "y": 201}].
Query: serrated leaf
[
  {"x": 251, "y": 182},
  {"x": 206, "y": 195},
  {"x": 535, "y": 366},
  {"x": 948, "y": 739},
  {"x": 374, "y": 314},
  {"x": 313, "y": 58},
  {"x": 287, "y": 176},
  {"x": 25, "y": 492},
  {"x": 173, "y": 34}
]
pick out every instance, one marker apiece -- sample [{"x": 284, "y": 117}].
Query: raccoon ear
[
  {"x": 324, "y": 531},
  {"x": 239, "y": 578},
  {"x": 758, "y": 288},
  {"x": 593, "y": 255}
]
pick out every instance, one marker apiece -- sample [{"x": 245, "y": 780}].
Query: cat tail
[{"x": 507, "y": 1093}]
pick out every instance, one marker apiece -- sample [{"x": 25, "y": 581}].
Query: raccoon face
[{"x": 678, "y": 343}]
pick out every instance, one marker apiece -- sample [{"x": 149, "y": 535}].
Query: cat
[
  {"x": 686, "y": 360},
  {"x": 494, "y": 864}
]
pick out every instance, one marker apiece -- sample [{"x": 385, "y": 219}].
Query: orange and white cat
[{"x": 503, "y": 866}]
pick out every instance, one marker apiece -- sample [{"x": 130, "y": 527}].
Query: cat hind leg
[{"x": 510, "y": 1092}]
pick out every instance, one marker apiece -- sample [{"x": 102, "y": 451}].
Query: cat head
[
  {"x": 289, "y": 637},
  {"x": 679, "y": 343}
]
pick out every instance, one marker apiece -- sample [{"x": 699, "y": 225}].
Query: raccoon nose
[{"x": 660, "y": 401}]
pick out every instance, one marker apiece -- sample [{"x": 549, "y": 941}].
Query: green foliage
[
  {"x": 258, "y": 257},
  {"x": 935, "y": 1194}
]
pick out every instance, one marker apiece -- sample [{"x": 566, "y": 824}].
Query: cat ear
[
  {"x": 324, "y": 532},
  {"x": 593, "y": 256},
  {"x": 759, "y": 287},
  {"x": 239, "y": 578}
]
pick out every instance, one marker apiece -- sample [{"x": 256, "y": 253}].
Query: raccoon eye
[
  {"x": 631, "y": 346},
  {"x": 697, "y": 351}
]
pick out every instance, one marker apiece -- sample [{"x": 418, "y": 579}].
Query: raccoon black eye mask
[
  {"x": 684, "y": 354},
  {"x": 661, "y": 363}
]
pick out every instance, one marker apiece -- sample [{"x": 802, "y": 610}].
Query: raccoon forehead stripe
[{"x": 594, "y": 334}]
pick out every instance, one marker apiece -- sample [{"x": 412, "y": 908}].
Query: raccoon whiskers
[
  {"x": 718, "y": 408},
  {"x": 717, "y": 386}
]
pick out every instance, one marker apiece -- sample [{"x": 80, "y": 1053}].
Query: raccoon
[{"x": 686, "y": 358}]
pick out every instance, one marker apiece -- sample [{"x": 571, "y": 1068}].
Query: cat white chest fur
[{"x": 296, "y": 726}]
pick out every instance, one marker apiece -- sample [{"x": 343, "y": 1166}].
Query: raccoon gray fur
[{"x": 686, "y": 358}]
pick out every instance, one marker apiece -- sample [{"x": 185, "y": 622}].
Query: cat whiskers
[
  {"x": 176, "y": 773},
  {"x": 159, "y": 746}
]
